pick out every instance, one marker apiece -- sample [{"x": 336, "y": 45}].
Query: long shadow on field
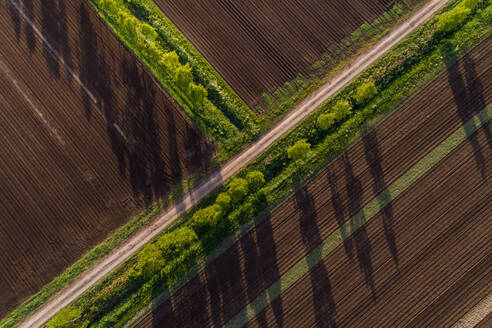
[
  {"x": 323, "y": 302},
  {"x": 55, "y": 31},
  {"x": 15, "y": 16},
  {"x": 339, "y": 213},
  {"x": 360, "y": 236},
  {"x": 468, "y": 95},
  {"x": 373, "y": 159},
  {"x": 261, "y": 269}
]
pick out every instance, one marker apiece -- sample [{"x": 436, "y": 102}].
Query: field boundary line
[
  {"x": 303, "y": 266},
  {"x": 478, "y": 313},
  {"x": 301, "y": 111}
]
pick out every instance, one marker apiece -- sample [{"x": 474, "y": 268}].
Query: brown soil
[
  {"x": 77, "y": 159},
  {"x": 257, "y": 46},
  {"x": 443, "y": 266},
  {"x": 336, "y": 194}
]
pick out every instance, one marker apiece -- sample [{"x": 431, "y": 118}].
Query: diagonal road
[{"x": 132, "y": 245}]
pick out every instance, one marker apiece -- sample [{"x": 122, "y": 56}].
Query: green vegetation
[
  {"x": 365, "y": 92},
  {"x": 299, "y": 150},
  {"x": 408, "y": 67},
  {"x": 198, "y": 90}
]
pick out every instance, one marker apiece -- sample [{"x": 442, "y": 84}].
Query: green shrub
[
  {"x": 325, "y": 121},
  {"x": 150, "y": 261},
  {"x": 342, "y": 109},
  {"x": 452, "y": 19},
  {"x": 170, "y": 60},
  {"x": 172, "y": 244},
  {"x": 365, "y": 92},
  {"x": 207, "y": 218},
  {"x": 198, "y": 94},
  {"x": 256, "y": 180},
  {"x": 67, "y": 318},
  {"x": 183, "y": 77},
  {"x": 224, "y": 201},
  {"x": 238, "y": 189},
  {"x": 299, "y": 150}
]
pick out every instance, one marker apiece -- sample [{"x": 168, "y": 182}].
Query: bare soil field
[
  {"x": 300, "y": 224},
  {"x": 442, "y": 229},
  {"x": 257, "y": 46},
  {"x": 87, "y": 140}
]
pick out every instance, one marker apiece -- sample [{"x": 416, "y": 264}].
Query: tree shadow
[
  {"x": 468, "y": 96},
  {"x": 323, "y": 302},
  {"x": 373, "y": 159},
  {"x": 261, "y": 268},
  {"x": 339, "y": 213},
  {"x": 360, "y": 236},
  {"x": 55, "y": 31},
  {"x": 14, "y": 6}
]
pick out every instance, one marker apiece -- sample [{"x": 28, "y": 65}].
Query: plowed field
[
  {"x": 405, "y": 246},
  {"x": 87, "y": 140},
  {"x": 257, "y": 46}
]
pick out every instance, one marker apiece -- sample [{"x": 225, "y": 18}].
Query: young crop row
[{"x": 324, "y": 134}]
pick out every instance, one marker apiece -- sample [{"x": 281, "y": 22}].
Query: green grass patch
[{"x": 405, "y": 69}]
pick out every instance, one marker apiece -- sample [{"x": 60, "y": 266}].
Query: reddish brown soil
[
  {"x": 257, "y": 46},
  {"x": 73, "y": 170},
  {"x": 336, "y": 194},
  {"x": 443, "y": 267}
]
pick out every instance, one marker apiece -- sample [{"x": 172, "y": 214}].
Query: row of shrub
[
  {"x": 165, "y": 262},
  {"x": 219, "y": 91},
  {"x": 177, "y": 77}
]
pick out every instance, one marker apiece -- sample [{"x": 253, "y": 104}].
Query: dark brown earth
[
  {"x": 77, "y": 160},
  {"x": 444, "y": 259},
  {"x": 257, "y": 46},
  {"x": 371, "y": 165}
]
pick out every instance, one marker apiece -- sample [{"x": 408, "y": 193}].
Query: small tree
[
  {"x": 451, "y": 19},
  {"x": 325, "y": 121},
  {"x": 170, "y": 60},
  {"x": 365, "y": 92},
  {"x": 299, "y": 150},
  {"x": 183, "y": 77},
  {"x": 174, "y": 243},
  {"x": 342, "y": 109},
  {"x": 256, "y": 180},
  {"x": 224, "y": 201},
  {"x": 205, "y": 219},
  {"x": 150, "y": 261},
  {"x": 238, "y": 189},
  {"x": 197, "y": 94}
]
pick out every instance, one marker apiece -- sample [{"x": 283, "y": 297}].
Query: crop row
[{"x": 415, "y": 61}]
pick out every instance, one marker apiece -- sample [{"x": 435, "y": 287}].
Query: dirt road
[{"x": 127, "y": 249}]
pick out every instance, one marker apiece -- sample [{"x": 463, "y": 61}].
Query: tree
[
  {"x": 224, "y": 201},
  {"x": 206, "y": 218},
  {"x": 128, "y": 25},
  {"x": 170, "y": 60},
  {"x": 299, "y": 150},
  {"x": 365, "y": 92},
  {"x": 238, "y": 189},
  {"x": 342, "y": 109},
  {"x": 325, "y": 121},
  {"x": 149, "y": 261},
  {"x": 183, "y": 77},
  {"x": 197, "y": 94},
  {"x": 256, "y": 180},
  {"x": 174, "y": 243},
  {"x": 451, "y": 19}
]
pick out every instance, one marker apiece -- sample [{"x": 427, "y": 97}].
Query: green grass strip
[{"x": 361, "y": 218}]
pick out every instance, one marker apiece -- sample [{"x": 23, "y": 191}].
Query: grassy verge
[{"x": 163, "y": 263}]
